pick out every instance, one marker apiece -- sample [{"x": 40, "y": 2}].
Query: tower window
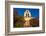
[{"x": 28, "y": 15}]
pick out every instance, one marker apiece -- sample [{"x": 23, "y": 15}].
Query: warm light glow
[{"x": 26, "y": 19}]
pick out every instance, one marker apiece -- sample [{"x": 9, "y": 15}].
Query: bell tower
[{"x": 27, "y": 17}]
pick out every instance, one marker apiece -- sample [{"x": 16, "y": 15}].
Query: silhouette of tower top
[{"x": 27, "y": 13}]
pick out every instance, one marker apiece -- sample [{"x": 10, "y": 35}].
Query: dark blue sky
[{"x": 34, "y": 12}]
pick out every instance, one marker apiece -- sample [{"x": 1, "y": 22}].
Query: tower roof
[{"x": 27, "y": 13}]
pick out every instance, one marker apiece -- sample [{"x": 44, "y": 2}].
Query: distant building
[
  {"x": 27, "y": 13},
  {"x": 27, "y": 17}
]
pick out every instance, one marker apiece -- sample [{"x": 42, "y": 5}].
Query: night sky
[{"x": 34, "y": 12}]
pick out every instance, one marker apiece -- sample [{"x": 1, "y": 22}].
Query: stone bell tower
[
  {"x": 27, "y": 17},
  {"x": 27, "y": 13}
]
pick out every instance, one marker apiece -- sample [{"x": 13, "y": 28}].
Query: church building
[{"x": 27, "y": 17}]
